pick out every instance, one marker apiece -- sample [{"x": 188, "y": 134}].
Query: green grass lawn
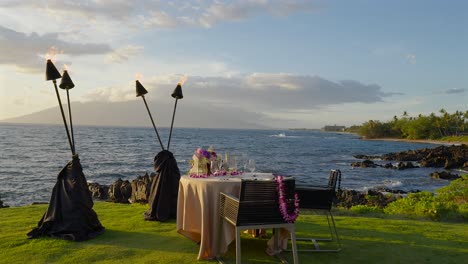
[{"x": 130, "y": 239}]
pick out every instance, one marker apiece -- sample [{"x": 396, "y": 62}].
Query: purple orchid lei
[{"x": 283, "y": 206}]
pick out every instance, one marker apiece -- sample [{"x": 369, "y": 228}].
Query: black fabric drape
[
  {"x": 70, "y": 214},
  {"x": 164, "y": 189}
]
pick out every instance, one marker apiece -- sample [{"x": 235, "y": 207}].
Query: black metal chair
[
  {"x": 256, "y": 208},
  {"x": 321, "y": 198}
]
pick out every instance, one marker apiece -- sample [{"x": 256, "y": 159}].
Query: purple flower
[{"x": 205, "y": 153}]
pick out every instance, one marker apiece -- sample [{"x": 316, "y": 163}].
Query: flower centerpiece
[{"x": 201, "y": 161}]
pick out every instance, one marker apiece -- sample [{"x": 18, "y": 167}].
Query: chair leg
[
  {"x": 336, "y": 232},
  {"x": 294, "y": 247},
  {"x": 238, "y": 246},
  {"x": 333, "y": 235},
  {"x": 219, "y": 238}
]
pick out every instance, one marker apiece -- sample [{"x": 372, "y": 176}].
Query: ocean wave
[
  {"x": 283, "y": 135},
  {"x": 391, "y": 183}
]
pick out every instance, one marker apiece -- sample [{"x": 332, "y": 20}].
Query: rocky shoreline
[{"x": 445, "y": 157}]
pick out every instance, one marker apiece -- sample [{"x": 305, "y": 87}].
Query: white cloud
[
  {"x": 26, "y": 51},
  {"x": 411, "y": 58},
  {"x": 165, "y": 14},
  {"x": 112, "y": 9},
  {"x": 455, "y": 91},
  {"x": 161, "y": 19},
  {"x": 262, "y": 91},
  {"x": 221, "y": 11},
  {"x": 123, "y": 54},
  {"x": 110, "y": 94}
]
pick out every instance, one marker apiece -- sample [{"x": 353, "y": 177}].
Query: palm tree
[{"x": 444, "y": 121}]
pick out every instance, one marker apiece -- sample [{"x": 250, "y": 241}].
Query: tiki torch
[
  {"x": 67, "y": 84},
  {"x": 53, "y": 74},
  {"x": 177, "y": 94},
  {"x": 141, "y": 91}
]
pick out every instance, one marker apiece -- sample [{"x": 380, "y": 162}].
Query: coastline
[{"x": 429, "y": 141}]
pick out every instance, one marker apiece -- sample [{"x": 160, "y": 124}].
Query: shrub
[
  {"x": 456, "y": 191},
  {"x": 449, "y": 203},
  {"x": 364, "y": 209}
]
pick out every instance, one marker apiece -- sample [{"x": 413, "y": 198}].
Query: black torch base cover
[
  {"x": 164, "y": 189},
  {"x": 70, "y": 214}
]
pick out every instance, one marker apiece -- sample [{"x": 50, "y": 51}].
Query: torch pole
[
  {"x": 154, "y": 126},
  {"x": 172, "y": 124},
  {"x": 70, "y": 118},
  {"x": 63, "y": 117}
]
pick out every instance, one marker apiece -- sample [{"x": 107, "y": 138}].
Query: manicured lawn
[{"x": 130, "y": 239}]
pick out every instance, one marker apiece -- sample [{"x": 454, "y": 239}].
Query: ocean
[{"x": 31, "y": 156}]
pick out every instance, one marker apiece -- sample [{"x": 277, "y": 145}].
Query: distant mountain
[{"x": 133, "y": 113}]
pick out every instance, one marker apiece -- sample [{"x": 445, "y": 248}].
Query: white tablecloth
[{"x": 198, "y": 210}]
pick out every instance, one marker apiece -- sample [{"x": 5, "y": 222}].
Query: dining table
[{"x": 198, "y": 210}]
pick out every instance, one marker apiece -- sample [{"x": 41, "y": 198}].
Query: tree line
[{"x": 433, "y": 126}]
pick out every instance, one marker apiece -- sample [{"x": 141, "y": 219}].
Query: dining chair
[
  {"x": 257, "y": 207},
  {"x": 321, "y": 199}
]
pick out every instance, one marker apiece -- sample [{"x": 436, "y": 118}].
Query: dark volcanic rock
[
  {"x": 405, "y": 165},
  {"x": 120, "y": 191},
  {"x": 444, "y": 175},
  {"x": 364, "y": 164},
  {"x": 3, "y": 205},
  {"x": 437, "y": 162},
  {"x": 126, "y": 191},
  {"x": 448, "y": 157},
  {"x": 98, "y": 191},
  {"x": 141, "y": 188},
  {"x": 349, "y": 198},
  {"x": 369, "y": 157}
]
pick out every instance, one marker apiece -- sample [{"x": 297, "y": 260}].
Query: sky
[{"x": 281, "y": 63}]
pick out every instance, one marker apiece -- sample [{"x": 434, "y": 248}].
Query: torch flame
[
  {"x": 66, "y": 67},
  {"x": 138, "y": 76},
  {"x": 183, "y": 79},
  {"x": 52, "y": 53}
]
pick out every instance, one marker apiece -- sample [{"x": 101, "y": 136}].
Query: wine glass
[
  {"x": 214, "y": 167},
  {"x": 241, "y": 162},
  {"x": 220, "y": 165},
  {"x": 251, "y": 166},
  {"x": 233, "y": 162}
]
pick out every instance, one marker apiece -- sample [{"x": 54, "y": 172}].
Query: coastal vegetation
[
  {"x": 442, "y": 126},
  {"x": 130, "y": 239},
  {"x": 449, "y": 203}
]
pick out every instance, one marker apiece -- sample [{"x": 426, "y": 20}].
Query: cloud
[
  {"x": 167, "y": 14},
  {"x": 411, "y": 58},
  {"x": 282, "y": 91},
  {"x": 269, "y": 92},
  {"x": 112, "y": 9},
  {"x": 220, "y": 11},
  {"x": 455, "y": 91},
  {"x": 161, "y": 19},
  {"x": 26, "y": 51},
  {"x": 110, "y": 94},
  {"x": 123, "y": 54}
]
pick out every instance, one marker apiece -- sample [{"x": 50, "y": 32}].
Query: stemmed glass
[
  {"x": 233, "y": 162},
  {"x": 214, "y": 167},
  {"x": 220, "y": 165},
  {"x": 242, "y": 162},
  {"x": 251, "y": 166}
]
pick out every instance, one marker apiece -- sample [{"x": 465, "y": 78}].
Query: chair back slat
[
  {"x": 258, "y": 202},
  {"x": 320, "y": 197},
  {"x": 334, "y": 179}
]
